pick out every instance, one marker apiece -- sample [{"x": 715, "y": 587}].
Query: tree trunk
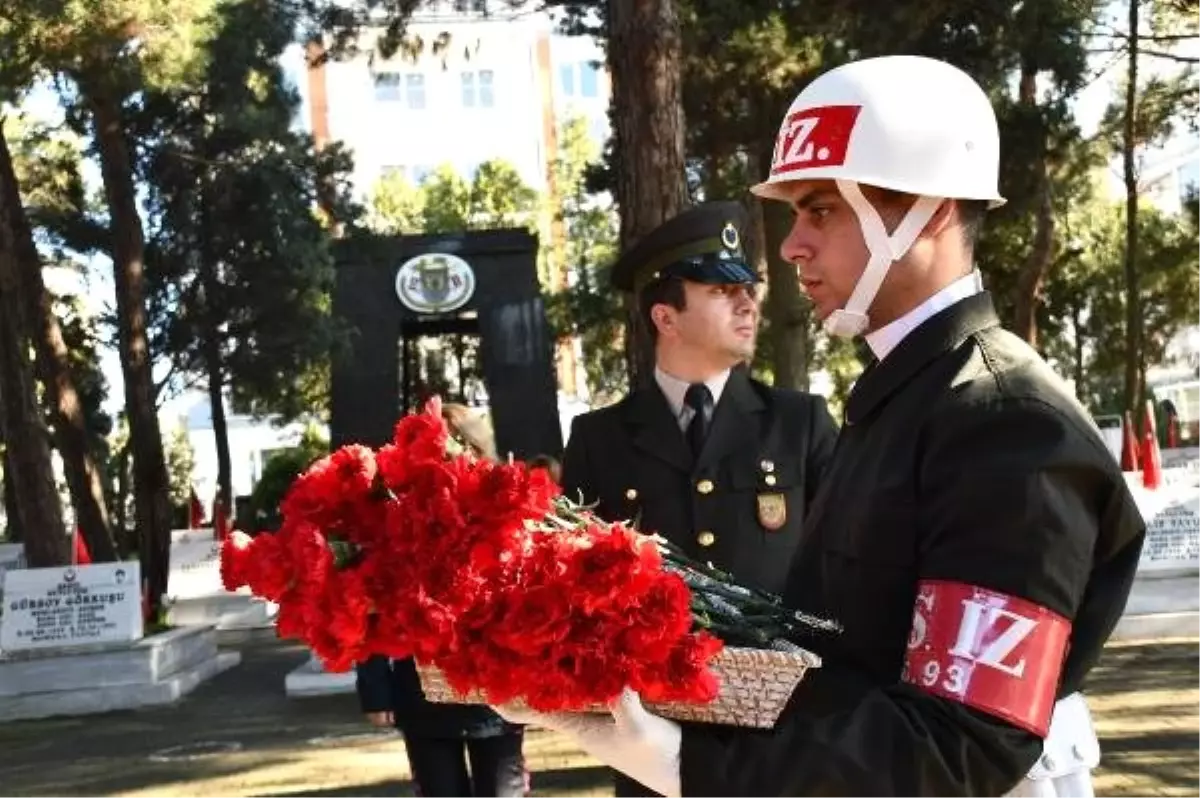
[
  {"x": 1037, "y": 264},
  {"x": 1028, "y": 290},
  {"x": 53, "y": 365},
  {"x": 38, "y": 511},
  {"x": 644, "y": 57},
  {"x": 12, "y": 526},
  {"x": 786, "y": 305},
  {"x": 152, "y": 505},
  {"x": 127, "y": 542},
  {"x": 212, "y": 362},
  {"x": 211, "y": 314},
  {"x": 1133, "y": 301},
  {"x": 1077, "y": 366}
]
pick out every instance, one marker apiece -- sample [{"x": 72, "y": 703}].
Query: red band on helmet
[
  {"x": 999, "y": 654},
  {"x": 814, "y": 137}
]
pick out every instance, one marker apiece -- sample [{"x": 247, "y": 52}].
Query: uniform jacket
[
  {"x": 740, "y": 505},
  {"x": 963, "y": 458},
  {"x": 387, "y": 685}
]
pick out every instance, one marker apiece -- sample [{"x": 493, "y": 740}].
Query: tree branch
[
  {"x": 1120, "y": 34},
  {"x": 1183, "y": 59}
]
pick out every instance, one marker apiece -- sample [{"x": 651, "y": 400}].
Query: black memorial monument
[{"x": 419, "y": 305}]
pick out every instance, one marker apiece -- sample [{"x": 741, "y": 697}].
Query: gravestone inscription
[
  {"x": 1173, "y": 533},
  {"x": 84, "y": 605}
]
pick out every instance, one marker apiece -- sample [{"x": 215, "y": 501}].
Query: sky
[{"x": 42, "y": 103}]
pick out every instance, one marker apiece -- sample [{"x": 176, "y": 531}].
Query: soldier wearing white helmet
[
  {"x": 889, "y": 140},
  {"x": 973, "y": 534}
]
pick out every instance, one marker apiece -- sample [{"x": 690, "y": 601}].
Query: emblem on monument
[{"x": 435, "y": 283}]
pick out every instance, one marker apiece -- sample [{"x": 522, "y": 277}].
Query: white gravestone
[
  {"x": 85, "y": 605},
  {"x": 1172, "y": 515},
  {"x": 1183, "y": 457},
  {"x": 1164, "y": 601},
  {"x": 197, "y": 596},
  {"x": 195, "y": 567}
]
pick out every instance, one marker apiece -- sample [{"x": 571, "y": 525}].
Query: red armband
[{"x": 999, "y": 654}]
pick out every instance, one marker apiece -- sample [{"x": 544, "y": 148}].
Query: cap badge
[{"x": 730, "y": 237}]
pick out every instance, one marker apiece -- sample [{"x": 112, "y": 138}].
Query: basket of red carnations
[{"x": 504, "y": 591}]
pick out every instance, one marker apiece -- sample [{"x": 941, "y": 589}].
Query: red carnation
[{"x": 235, "y": 551}]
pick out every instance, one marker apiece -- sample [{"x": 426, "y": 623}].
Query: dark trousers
[
  {"x": 625, "y": 787},
  {"x": 440, "y": 766}
]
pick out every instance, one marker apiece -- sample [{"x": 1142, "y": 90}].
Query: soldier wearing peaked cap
[
  {"x": 706, "y": 456},
  {"x": 702, "y": 244}
]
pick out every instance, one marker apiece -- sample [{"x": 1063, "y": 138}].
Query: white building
[
  {"x": 481, "y": 87},
  {"x": 251, "y": 443}
]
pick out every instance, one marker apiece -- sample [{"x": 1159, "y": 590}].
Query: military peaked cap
[{"x": 702, "y": 244}]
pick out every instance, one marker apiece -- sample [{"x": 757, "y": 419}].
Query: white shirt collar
[
  {"x": 674, "y": 389},
  {"x": 888, "y": 337}
]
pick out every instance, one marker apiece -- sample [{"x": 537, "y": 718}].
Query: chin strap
[{"x": 885, "y": 250}]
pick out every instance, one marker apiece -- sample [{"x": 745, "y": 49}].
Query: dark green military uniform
[
  {"x": 741, "y": 504},
  {"x": 977, "y": 541}
]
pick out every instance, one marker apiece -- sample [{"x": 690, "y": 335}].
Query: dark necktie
[{"x": 698, "y": 398}]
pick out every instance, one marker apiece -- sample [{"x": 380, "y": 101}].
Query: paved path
[{"x": 239, "y": 735}]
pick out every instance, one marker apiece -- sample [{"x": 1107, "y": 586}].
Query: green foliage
[
  {"x": 279, "y": 471},
  {"x": 588, "y": 307},
  {"x": 1166, "y": 106},
  {"x": 243, "y": 297},
  {"x": 1085, "y": 297},
  {"x": 117, "y": 46},
  {"x": 47, "y": 165},
  {"x": 395, "y": 206},
  {"x": 82, "y": 338},
  {"x": 181, "y": 463},
  {"x": 444, "y": 202},
  {"x": 47, "y": 162}
]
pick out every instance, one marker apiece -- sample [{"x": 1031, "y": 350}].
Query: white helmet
[{"x": 906, "y": 123}]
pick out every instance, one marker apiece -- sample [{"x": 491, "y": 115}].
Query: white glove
[{"x": 639, "y": 744}]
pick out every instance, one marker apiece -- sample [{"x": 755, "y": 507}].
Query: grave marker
[{"x": 86, "y": 605}]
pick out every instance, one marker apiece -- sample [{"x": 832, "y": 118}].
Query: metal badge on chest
[{"x": 772, "y": 506}]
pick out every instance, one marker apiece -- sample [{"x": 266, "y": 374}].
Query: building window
[
  {"x": 420, "y": 172},
  {"x": 414, "y": 86},
  {"x": 387, "y": 87},
  {"x": 486, "y": 98},
  {"x": 468, "y": 89},
  {"x": 414, "y": 175},
  {"x": 477, "y": 89},
  {"x": 599, "y": 130},
  {"x": 589, "y": 79},
  {"x": 396, "y": 87},
  {"x": 566, "y": 76}
]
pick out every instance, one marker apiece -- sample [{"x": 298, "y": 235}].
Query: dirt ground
[{"x": 240, "y": 735}]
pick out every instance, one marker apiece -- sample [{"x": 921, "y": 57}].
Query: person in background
[
  {"x": 453, "y": 749},
  {"x": 549, "y": 464}
]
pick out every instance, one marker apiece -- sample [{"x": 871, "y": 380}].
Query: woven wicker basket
[{"x": 755, "y": 687}]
